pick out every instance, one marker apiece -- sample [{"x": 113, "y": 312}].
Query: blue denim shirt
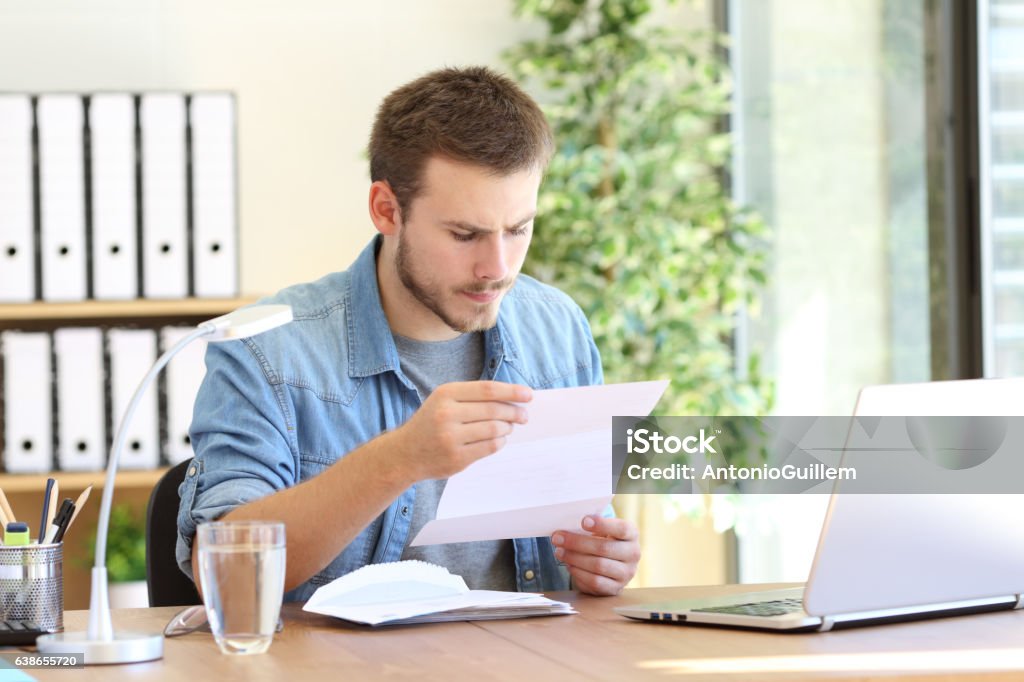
[{"x": 279, "y": 408}]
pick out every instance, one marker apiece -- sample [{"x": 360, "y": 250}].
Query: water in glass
[{"x": 242, "y": 575}]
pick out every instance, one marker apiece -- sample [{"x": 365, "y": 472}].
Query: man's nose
[{"x": 491, "y": 263}]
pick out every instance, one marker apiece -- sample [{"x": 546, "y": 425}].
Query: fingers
[
  {"x": 599, "y": 565},
  {"x": 619, "y": 571},
  {"x": 460, "y": 423},
  {"x": 593, "y": 583},
  {"x": 577, "y": 543},
  {"x": 485, "y": 411},
  {"x": 484, "y": 431},
  {"x": 602, "y": 563},
  {"x": 453, "y": 406},
  {"x": 479, "y": 450},
  {"x": 485, "y": 391},
  {"x": 621, "y": 529}
]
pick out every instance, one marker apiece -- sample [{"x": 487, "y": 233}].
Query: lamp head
[{"x": 245, "y": 322}]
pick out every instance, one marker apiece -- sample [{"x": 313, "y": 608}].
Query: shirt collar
[{"x": 371, "y": 347}]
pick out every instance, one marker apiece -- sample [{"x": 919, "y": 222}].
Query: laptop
[{"x": 885, "y": 558}]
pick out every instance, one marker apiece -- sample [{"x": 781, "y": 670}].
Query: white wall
[{"x": 308, "y": 75}]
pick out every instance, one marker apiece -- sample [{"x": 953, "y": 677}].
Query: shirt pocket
[{"x": 326, "y": 430}]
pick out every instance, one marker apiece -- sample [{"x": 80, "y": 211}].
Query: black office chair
[{"x": 168, "y": 586}]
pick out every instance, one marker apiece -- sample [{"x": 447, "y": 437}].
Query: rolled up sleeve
[{"x": 242, "y": 435}]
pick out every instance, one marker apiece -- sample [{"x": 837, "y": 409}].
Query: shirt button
[
  {"x": 494, "y": 363},
  {"x": 405, "y": 511},
  {"x": 529, "y": 575},
  {"x": 191, "y": 471}
]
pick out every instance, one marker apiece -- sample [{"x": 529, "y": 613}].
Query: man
[{"x": 403, "y": 370}]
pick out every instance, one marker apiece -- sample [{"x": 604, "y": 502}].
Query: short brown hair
[{"x": 471, "y": 114}]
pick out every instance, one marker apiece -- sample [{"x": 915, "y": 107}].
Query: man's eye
[
  {"x": 463, "y": 237},
  {"x": 519, "y": 231}
]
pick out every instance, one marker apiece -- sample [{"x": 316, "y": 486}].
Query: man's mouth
[{"x": 482, "y": 296}]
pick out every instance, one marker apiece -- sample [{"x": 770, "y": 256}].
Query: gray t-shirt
[{"x": 428, "y": 364}]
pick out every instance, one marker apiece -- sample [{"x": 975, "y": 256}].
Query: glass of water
[{"x": 241, "y": 571}]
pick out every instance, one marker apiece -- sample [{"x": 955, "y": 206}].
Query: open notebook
[{"x": 419, "y": 592}]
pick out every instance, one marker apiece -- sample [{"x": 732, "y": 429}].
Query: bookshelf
[
  {"x": 24, "y": 491},
  {"x": 15, "y": 315},
  {"x": 47, "y": 316},
  {"x": 79, "y": 480}
]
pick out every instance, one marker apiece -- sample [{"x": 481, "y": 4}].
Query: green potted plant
[
  {"x": 635, "y": 218},
  {"x": 126, "y": 557}
]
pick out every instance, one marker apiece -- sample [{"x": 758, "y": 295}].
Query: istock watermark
[{"x": 911, "y": 454}]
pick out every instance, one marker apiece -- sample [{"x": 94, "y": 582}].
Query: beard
[{"x": 433, "y": 297}]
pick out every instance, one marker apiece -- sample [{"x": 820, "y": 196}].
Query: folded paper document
[
  {"x": 406, "y": 592},
  {"x": 551, "y": 473}
]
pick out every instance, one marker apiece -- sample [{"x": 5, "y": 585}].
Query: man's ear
[{"x": 384, "y": 210}]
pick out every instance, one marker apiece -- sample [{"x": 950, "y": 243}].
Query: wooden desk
[{"x": 595, "y": 645}]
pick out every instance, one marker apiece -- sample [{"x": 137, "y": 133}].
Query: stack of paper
[{"x": 417, "y": 592}]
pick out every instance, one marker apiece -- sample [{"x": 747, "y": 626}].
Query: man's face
[{"x": 465, "y": 241}]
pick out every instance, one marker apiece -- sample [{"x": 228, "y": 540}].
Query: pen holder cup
[{"x": 32, "y": 585}]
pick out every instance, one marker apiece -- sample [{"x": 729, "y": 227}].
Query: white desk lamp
[{"x": 100, "y": 643}]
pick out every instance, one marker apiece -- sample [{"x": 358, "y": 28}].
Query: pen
[
  {"x": 46, "y": 509},
  {"x": 60, "y": 522},
  {"x": 54, "y": 497},
  {"x": 63, "y": 528}
]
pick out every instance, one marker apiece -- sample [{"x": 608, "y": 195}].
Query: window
[
  {"x": 1001, "y": 173},
  {"x": 842, "y": 143}
]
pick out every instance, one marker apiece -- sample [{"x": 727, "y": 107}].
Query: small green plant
[{"x": 126, "y": 545}]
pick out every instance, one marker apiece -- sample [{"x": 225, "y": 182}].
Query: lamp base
[{"x": 125, "y": 647}]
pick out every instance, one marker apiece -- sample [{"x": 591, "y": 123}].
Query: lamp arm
[
  {"x": 204, "y": 329},
  {"x": 100, "y": 628}
]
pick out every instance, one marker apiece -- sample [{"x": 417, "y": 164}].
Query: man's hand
[
  {"x": 601, "y": 563},
  {"x": 458, "y": 424}
]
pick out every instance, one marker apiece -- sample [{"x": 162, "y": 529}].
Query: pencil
[
  {"x": 6, "y": 507},
  {"x": 79, "y": 503}
]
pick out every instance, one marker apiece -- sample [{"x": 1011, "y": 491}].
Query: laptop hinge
[
  {"x": 826, "y": 623},
  {"x": 1020, "y": 602}
]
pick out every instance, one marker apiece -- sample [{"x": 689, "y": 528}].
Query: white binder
[
  {"x": 184, "y": 375},
  {"x": 132, "y": 354},
  {"x": 28, "y": 392},
  {"x": 60, "y": 121},
  {"x": 164, "y": 222},
  {"x": 114, "y": 249},
  {"x": 17, "y": 246},
  {"x": 214, "y": 227},
  {"x": 81, "y": 432}
]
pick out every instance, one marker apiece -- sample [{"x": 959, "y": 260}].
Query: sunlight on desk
[{"x": 974, "y": 660}]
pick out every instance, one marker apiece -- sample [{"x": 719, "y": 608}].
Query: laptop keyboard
[{"x": 779, "y": 607}]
